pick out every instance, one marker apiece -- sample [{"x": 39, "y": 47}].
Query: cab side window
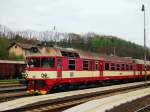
[{"x": 71, "y": 65}]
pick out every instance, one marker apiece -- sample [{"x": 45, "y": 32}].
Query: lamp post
[
  {"x": 143, "y": 10},
  {"x": 55, "y": 36}
]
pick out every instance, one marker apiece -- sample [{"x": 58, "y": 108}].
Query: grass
[{"x": 2, "y": 81}]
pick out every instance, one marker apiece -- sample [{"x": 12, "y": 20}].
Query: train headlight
[
  {"x": 44, "y": 75},
  {"x": 24, "y": 75}
]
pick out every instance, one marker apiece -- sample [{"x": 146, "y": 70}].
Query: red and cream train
[{"x": 59, "y": 66}]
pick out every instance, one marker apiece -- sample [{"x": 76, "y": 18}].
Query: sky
[{"x": 122, "y": 18}]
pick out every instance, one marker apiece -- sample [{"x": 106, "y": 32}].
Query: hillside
[{"x": 109, "y": 45}]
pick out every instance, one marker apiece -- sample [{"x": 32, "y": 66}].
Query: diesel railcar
[{"x": 60, "y": 66}]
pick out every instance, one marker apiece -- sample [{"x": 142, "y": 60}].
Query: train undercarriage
[{"x": 44, "y": 86}]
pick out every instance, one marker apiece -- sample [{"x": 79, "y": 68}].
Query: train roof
[
  {"x": 138, "y": 61},
  {"x": 12, "y": 62},
  {"x": 70, "y": 52}
]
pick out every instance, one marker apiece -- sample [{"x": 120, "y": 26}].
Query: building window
[
  {"x": 71, "y": 65},
  {"x": 85, "y": 65},
  {"x": 106, "y": 66}
]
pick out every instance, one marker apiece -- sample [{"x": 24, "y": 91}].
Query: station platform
[{"x": 105, "y": 104}]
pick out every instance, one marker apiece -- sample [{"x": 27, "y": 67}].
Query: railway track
[
  {"x": 11, "y": 91},
  {"x": 144, "y": 109},
  {"x": 60, "y": 104},
  {"x": 9, "y": 82},
  {"x": 6, "y": 87},
  {"x": 9, "y": 85},
  {"x": 142, "y": 104},
  {"x": 13, "y": 95}
]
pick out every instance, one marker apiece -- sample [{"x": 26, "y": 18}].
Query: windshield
[
  {"x": 41, "y": 62},
  {"x": 47, "y": 62},
  {"x": 34, "y": 62}
]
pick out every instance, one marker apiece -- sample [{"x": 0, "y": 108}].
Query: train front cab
[{"x": 42, "y": 73}]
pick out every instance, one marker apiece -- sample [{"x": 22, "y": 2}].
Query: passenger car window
[
  {"x": 96, "y": 65},
  {"x": 127, "y": 67},
  {"x": 122, "y": 67},
  {"x": 118, "y": 66},
  {"x": 85, "y": 65},
  {"x": 106, "y": 66},
  {"x": 112, "y": 66}
]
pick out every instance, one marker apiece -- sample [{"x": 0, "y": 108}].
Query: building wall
[
  {"x": 49, "y": 51},
  {"x": 16, "y": 50}
]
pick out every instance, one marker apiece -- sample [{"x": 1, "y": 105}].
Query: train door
[
  {"x": 101, "y": 68},
  {"x": 59, "y": 68},
  {"x": 139, "y": 69},
  {"x": 134, "y": 69}
]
